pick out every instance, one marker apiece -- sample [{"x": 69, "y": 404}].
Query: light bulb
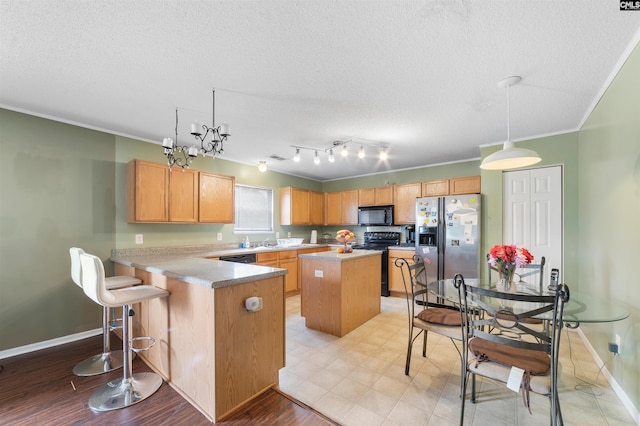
[
  {"x": 316, "y": 159},
  {"x": 361, "y": 152},
  {"x": 262, "y": 166},
  {"x": 344, "y": 151},
  {"x": 331, "y": 157},
  {"x": 383, "y": 154},
  {"x": 296, "y": 157}
]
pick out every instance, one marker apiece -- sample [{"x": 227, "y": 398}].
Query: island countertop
[
  {"x": 340, "y": 257},
  {"x": 200, "y": 271}
]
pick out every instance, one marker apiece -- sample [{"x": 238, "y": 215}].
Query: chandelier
[{"x": 182, "y": 155}]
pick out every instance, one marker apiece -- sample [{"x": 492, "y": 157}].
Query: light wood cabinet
[
  {"x": 405, "y": 202},
  {"x": 267, "y": 259},
  {"x": 435, "y": 188},
  {"x": 285, "y": 259},
  {"x": 157, "y": 194},
  {"x": 396, "y": 284},
  {"x": 350, "y": 207},
  {"x": 301, "y": 207},
  {"x": 316, "y": 207},
  {"x": 216, "y": 198},
  {"x": 379, "y": 196},
  {"x": 333, "y": 208},
  {"x": 464, "y": 185},
  {"x": 307, "y": 251}
]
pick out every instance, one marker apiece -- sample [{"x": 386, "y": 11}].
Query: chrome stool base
[
  {"x": 99, "y": 364},
  {"x": 122, "y": 393}
]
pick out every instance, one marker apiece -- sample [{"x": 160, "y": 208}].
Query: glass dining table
[{"x": 581, "y": 308}]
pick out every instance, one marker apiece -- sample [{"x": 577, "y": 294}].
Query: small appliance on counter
[{"x": 410, "y": 236}]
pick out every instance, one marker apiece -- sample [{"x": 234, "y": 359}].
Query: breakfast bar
[
  {"x": 210, "y": 347},
  {"x": 340, "y": 291}
]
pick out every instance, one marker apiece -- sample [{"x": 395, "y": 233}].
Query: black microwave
[{"x": 375, "y": 216}]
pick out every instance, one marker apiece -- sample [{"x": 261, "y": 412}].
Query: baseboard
[
  {"x": 633, "y": 411},
  {"x": 49, "y": 343}
]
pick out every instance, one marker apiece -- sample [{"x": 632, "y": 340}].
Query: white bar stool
[
  {"x": 132, "y": 388},
  {"x": 108, "y": 360}
]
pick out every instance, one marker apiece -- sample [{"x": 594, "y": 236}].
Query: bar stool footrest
[{"x": 146, "y": 348}]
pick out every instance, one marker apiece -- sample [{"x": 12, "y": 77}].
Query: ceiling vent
[{"x": 276, "y": 157}]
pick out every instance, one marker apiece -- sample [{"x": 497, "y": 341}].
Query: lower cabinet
[
  {"x": 285, "y": 259},
  {"x": 396, "y": 285}
]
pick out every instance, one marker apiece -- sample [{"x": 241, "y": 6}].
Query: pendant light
[{"x": 510, "y": 157}]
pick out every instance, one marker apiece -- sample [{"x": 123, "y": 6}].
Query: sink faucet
[{"x": 265, "y": 243}]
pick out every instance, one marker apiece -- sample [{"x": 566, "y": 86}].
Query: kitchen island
[
  {"x": 340, "y": 291},
  {"x": 209, "y": 347}
]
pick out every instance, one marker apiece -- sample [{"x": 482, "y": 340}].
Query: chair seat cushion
[
  {"x": 534, "y": 362},
  {"x": 440, "y": 316}
]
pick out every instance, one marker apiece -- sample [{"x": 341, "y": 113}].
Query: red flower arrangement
[
  {"x": 506, "y": 258},
  {"x": 501, "y": 254}
]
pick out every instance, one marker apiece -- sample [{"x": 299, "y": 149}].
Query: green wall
[
  {"x": 609, "y": 221},
  {"x": 57, "y": 190}
]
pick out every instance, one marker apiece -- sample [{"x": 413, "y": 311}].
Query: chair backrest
[
  {"x": 413, "y": 276},
  {"x": 76, "y": 268},
  {"x": 504, "y": 317},
  {"x": 532, "y": 273},
  {"x": 93, "y": 280}
]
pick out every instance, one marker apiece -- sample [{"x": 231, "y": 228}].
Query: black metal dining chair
[
  {"x": 493, "y": 355},
  {"x": 424, "y": 315}
]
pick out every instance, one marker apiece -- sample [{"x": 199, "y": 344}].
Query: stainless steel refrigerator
[{"x": 448, "y": 235}]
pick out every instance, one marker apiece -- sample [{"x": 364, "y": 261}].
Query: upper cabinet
[
  {"x": 341, "y": 208},
  {"x": 379, "y": 196},
  {"x": 464, "y": 185},
  {"x": 435, "y": 188},
  {"x": 217, "y": 204},
  {"x": 301, "y": 207},
  {"x": 156, "y": 194},
  {"x": 405, "y": 202}
]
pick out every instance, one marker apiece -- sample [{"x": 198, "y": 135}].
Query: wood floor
[{"x": 36, "y": 388}]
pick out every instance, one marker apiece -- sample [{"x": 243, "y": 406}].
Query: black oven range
[{"x": 377, "y": 240}]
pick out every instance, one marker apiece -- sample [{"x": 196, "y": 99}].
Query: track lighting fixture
[
  {"x": 296, "y": 157},
  {"x": 331, "y": 157},
  {"x": 344, "y": 150},
  {"x": 316, "y": 159},
  {"x": 361, "y": 152}
]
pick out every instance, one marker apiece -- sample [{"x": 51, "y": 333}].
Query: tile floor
[{"x": 359, "y": 379}]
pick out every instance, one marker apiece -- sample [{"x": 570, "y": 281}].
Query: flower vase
[{"x": 506, "y": 276}]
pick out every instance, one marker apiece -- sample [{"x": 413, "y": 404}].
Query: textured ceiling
[{"x": 418, "y": 77}]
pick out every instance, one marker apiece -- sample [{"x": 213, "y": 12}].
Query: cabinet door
[
  {"x": 367, "y": 196},
  {"x": 294, "y": 206},
  {"x": 290, "y": 263},
  {"x": 147, "y": 186},
  {"x": 384, "y": 195},
  {"x": 183, "y": 195},
  {"x": 405, "y": 202},
  {"x": 333, "y": 208},
  {"x": 396, "y": 283},
  {"x": 465, "y": 185},
  {"x": 216, "y": 198},
  {"x": 350, "y": 207},
  {"x": 316, "y": 207},
  {"x": 435, "y": 188}
]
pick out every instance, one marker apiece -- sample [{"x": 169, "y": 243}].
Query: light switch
[
  {"x": 219, "y": 236},
  {"x": 318, "y": 273}
]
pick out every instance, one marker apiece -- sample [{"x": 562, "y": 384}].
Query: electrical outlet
[
  {"x": 619, "y": 343},
  {"x": 219, "y": 236},
  {"x": 318, "y": 273},
  {"x": 139, "y": 239},
  {"x": 288, "y": 234},
  {"x": 277, "y": 235}
]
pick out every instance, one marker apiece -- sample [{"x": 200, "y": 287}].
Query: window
[{"x": 254, "y": 209}]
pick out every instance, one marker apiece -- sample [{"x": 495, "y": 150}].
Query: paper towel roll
[{"x": 314, "y": 237}]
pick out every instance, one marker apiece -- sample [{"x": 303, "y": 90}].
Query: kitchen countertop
[
  {"x": 407, "y": 248},
  {"x": 340, "y": 257},
  {"x": 192, "y": 264}
]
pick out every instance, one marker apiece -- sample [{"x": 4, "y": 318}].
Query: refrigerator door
[
  {"x": 461, "y": 247},
  {"x": 427, "y": 221}
]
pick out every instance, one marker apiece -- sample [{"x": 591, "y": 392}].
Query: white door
[{"x": 533, "y": 213}]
